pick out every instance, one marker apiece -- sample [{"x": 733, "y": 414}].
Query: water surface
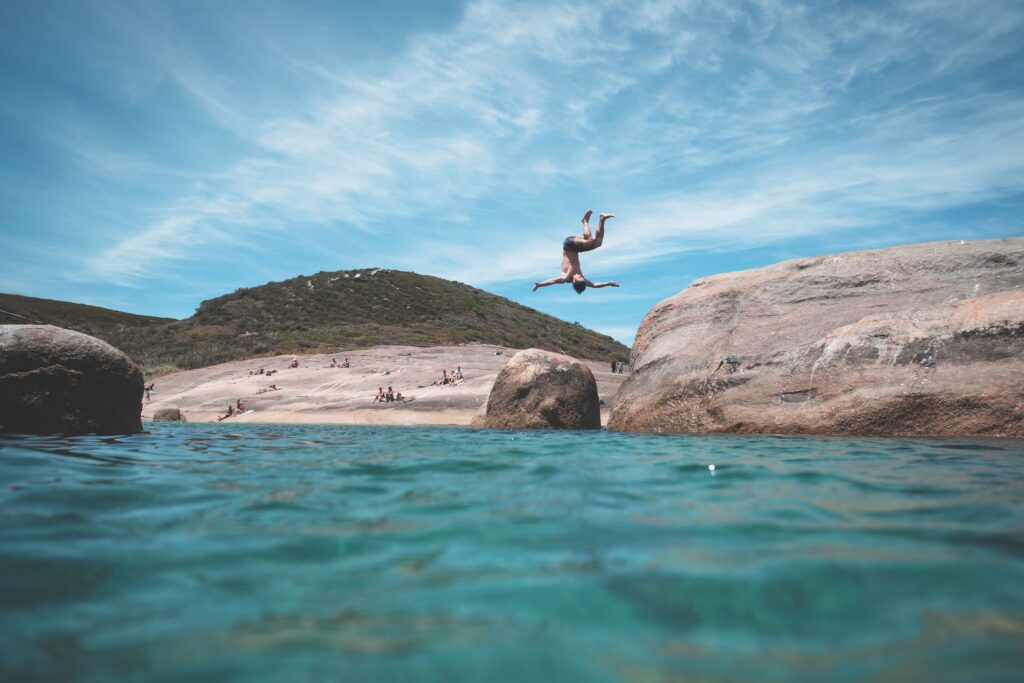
[{"x": 318, "y": 553}]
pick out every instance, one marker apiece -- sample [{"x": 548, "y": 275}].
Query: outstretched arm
[
  {"x": 553, "y": 281},
  {"x": 599, "y": 285}
]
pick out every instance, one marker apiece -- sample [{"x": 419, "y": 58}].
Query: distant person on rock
[{"x": 572, "y": 246}]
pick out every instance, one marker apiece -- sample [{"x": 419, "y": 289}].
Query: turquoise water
[{"x": 320, "y": 553}]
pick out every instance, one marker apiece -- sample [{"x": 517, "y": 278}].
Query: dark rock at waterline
[
  {"x": 542, "y": 390},
  {"x": 169, "y": 415},
  {"x": 926, "y": 339},
  {"x": 55, "y": 381}
]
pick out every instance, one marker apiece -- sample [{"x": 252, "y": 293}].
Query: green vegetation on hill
[
  {"x": 326, "y": 312},
  {"x": 17, "y": 310}
]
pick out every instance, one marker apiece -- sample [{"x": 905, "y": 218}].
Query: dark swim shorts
[{"x": 570, "y": 243}]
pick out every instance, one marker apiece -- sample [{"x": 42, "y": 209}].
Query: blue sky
[{"x": 154, "y": 154}]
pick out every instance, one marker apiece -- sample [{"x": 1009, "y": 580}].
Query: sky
[{"x": 157, "y": 153}]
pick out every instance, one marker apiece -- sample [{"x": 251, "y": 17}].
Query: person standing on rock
[{"x": 572, "y": 246}]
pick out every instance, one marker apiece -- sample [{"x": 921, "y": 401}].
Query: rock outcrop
[
  {"x": 542, "y": 390},
  {"x": 168, "y": 415},
  {"x": 55, "y": 381},
  {"x": 921, "y": 340}
]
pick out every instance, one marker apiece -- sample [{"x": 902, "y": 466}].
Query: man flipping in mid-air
[{"x": 571, "y": 248}]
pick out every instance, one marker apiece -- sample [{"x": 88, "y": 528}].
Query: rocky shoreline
[
  {"x": 920, "y": 340},
  {"x": 315, "y": 393}
]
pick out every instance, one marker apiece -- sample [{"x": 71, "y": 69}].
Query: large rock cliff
[{"x": 926, "y": 340}]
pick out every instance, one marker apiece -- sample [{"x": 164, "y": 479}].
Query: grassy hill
[
  {"x": 16, "y": 310},
  {"x": 326, "y": 312}
]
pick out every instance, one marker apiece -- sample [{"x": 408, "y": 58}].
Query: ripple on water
[{"x": 257, "y": 552}]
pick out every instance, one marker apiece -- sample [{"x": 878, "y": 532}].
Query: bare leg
[
  {"x": 586, "y": 225},
  {"x": 600, "y": 227}
]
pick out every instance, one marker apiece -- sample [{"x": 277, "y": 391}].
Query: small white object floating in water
[{"x": 711, "y": 467}]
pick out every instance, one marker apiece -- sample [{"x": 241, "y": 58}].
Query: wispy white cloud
[
  {"x": 705, "y": 124},
  {"x": 857, "y": 183},
  {"x": 428, "y": 134}
]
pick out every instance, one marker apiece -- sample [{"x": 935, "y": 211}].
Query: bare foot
[
  {"x": 586, "y": 216},
  {"x": 535, "y": 286},
  {"x": 605, "y": 216}
]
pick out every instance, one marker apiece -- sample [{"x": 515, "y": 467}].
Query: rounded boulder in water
[
  {"x": 55, "y": 381},
  {"x": 542, "y": 390},
  {"x": 168, "y": 415}
]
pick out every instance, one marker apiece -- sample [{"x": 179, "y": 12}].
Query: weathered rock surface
[
  {"x": 55, "y": 381},
  {"x": 168, "y": 415},
  {"x": 542, "y": 390},
  {"x": 926, "y": 339}
]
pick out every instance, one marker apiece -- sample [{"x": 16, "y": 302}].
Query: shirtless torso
[
  {"x": 570, "y": 264},
  {"x": 571, "y": 248}
]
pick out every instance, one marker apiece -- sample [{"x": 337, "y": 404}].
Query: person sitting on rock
[
  {"x": 345, "y": 364},
  {"x": 572, "y": 246},
  {"x": 390, "y": 396},
  {"x": 379, "y": 398}
]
